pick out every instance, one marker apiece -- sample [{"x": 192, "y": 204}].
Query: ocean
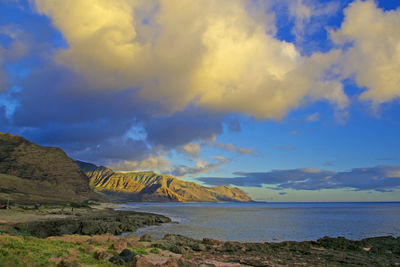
[{"x": 273, "y": 222}]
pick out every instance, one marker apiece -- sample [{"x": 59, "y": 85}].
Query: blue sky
[{"x": 217, "y": 92}]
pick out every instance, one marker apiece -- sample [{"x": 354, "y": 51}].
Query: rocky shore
[
  {"x": 60, "y": 221},
  {"x": 81, "y": 237},
  {"x": 327, "y": 251}
]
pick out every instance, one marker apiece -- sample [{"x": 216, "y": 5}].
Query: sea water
[{"x": 273, "y": 222}]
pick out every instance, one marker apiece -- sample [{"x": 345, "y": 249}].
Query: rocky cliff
[
  {"x": 151, "y": 186},
  {"x": 33, "y": 173}
]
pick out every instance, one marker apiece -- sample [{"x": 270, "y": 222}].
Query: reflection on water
[{"x": 259, "y": 222}]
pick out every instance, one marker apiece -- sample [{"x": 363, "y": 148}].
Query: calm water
[{"x": 273, "y": 221}]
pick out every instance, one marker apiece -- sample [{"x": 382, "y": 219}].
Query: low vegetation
[{"x": 21, "y": 250}]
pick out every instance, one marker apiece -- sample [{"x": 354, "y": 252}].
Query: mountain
[
  {"x": 32, "y": 173},
  {"x": 151, "y": 186}
]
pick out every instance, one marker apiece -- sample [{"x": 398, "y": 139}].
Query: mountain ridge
[{"x": 152, "y": 186}]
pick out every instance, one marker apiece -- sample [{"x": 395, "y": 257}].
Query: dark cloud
[
  {"x": 183, "y": 127},
  {"x": 383, "y": 178},
  {"x": 282, "y": 193},
  {"x": 114, "y": 150},
  {"x": 56, "y": 107},
  {"x": 63, "y": 110}
]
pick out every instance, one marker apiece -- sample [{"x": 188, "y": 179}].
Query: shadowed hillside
[
  {"x": 151, "y": 186},
  {"x": 33, "y": 173}
]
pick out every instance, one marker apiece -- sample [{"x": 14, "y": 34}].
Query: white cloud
[{"x": 374, "y": 53}]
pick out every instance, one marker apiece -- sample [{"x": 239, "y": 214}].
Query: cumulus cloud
[
  {"x": 373, "y": 55},
  {"x": 384, "y": 178},
  {"x": 309, "y": 15},
  {"x": 180, "y": 52},
  {"x": 201, "y": 167}
]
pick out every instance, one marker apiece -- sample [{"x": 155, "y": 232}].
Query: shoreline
[
  {"x": 94, "y": 231},
  {"x": 56, "y": 221}
]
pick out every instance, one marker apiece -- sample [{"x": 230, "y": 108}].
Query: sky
[{"x": 289, "y": 100}]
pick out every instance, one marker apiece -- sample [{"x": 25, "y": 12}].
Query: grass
[
  {"x": 154, "y": 251},
  {"x": 26, "y": 250},
  {"x": 32, "y": 251}
]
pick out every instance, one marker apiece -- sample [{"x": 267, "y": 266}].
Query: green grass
[
  {"x": 154, "y": 251},
  {"x": 27, "y": 250},
  {"x": 140, "y": 251}
]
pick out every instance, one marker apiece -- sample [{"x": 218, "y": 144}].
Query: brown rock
[
  {"x": 141, "y": 261},
  {"x": 119, "y": 245},
  {"x": 101, "y": 254}
]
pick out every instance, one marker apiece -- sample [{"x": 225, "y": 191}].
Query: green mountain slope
[
  {"x": 33, "y": 173},
  {"x": 151, "y": 186}
]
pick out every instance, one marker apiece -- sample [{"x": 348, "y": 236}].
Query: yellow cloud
[
  {"x": 217, "y": 54},
  {"x": 191, "y": 149},
  {"x": 150, "y": 163},
  {"x": 374, "y": 57}
]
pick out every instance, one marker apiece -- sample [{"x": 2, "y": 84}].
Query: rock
[
  {"x": 145, "y": 238},
  {"x": 92, "y": 223},
  {"x": 119, "y": 245},
  {"x": 101, "y": 254},
  {"x": 141, "y": 261},
  {"x": 199, "y": 247},
  {"x": 117, "y": 260},
  {"x": 127, "y": 255},
  {"x": 171, "y": 262},
  {"x": 178, "y": 249}
]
